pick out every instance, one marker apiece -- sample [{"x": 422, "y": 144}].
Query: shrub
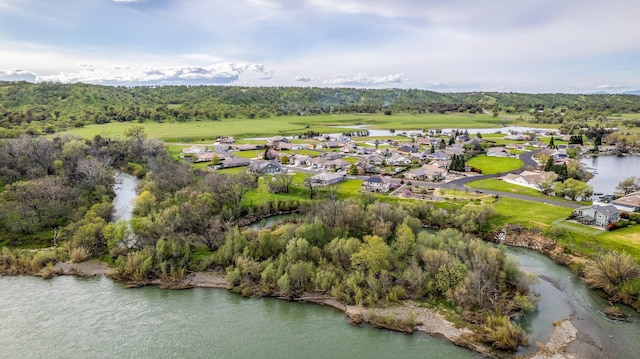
[
  {"x": 503, "y": 334},
  {"x": 79, "y": 254}
]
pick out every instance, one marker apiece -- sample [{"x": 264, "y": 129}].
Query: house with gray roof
[{"x": 597, "y": 215}]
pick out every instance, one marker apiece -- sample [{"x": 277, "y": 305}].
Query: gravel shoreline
[{"x": 565, "y": 342}]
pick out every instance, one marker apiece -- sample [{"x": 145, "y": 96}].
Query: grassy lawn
[
  {"x": 528, "y": 213},
  {"x": 491, "y": 165},
  {"x": 497, "y": 185},
  {"x": 207, "y": 131},
  {"x": 590, "y": 240}
]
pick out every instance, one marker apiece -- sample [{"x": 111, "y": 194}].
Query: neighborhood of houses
[{"x": 384, "y": 164}]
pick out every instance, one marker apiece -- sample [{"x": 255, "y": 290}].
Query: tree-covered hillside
[{"x": 50, "y": 107}]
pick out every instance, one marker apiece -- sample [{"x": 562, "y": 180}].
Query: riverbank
[{"x": 407, "y": 317}]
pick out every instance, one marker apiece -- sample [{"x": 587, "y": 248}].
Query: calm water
[
  {"x": 611, "y": 171},
  {"x": 69, "y": 317},
  {"x": 563, "y": 295}
]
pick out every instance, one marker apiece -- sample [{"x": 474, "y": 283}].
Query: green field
[
  {"x": 497, "y": 185},
  {"x": 528, "y": 213},
  {"x": 492, "y": 165},
  {"x": 203, "y": 131}
]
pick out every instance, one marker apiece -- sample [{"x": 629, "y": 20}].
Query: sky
[{"x": 534, "y": 46}]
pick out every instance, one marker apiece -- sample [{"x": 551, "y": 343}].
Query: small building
[
  {"x": 234, "y": 161},
  {"x": 275, "y": 139},
  {"x": 597, "y": 215},
  {"x": 531, "y": 179},
  {"x": 628, "y": 203},
  {"x": 427, "y": 173},
  {"x": 327, "y": 178},
  {"x": 376, "y": 184},
  {"x": 194, "y": 150},
  {"x": 498, "y": 152},
  {"x": 261, "y": 167},
  {"x": 228, "y": 140},
  {"x": 204, "y": 157},
  {"x": 247, "y": 147}
]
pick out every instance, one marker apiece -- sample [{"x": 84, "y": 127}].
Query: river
[
  {"x": 564, "y": 296},
  {"x": 69, "y": 317},
  {"x": 611, "y": 170}
]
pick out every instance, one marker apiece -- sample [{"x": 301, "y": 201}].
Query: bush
[
  {"x": 79, "y": 254},
  {"x": 503, "y": 334}
]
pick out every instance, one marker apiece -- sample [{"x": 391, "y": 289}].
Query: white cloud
[
  {"x": 221, "y": 73},
  {"x": 17, "y": 75},
  {"x": 366, "y": 80},
  {"x": 303, "y": 79}
]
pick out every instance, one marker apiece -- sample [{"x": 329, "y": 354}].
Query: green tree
[{"x": 373, "y": 255}]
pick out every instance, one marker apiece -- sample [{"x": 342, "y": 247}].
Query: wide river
[{"x": 69, "y": 317}]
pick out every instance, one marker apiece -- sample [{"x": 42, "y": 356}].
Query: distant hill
[{"x": 47, "y": 107}]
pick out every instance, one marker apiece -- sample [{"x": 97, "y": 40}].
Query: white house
[
  {"x": 628, "y": 203},
  {"x": 498, "y": 152},
  {"x": 531, "y": 179}
]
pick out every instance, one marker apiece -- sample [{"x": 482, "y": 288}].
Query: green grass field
[
  {"x": 528, "y": 213},
  {"x": 491, "y": 165},
  {"x": 497, "y": 185},
  {"x": 206, "y": 131}
]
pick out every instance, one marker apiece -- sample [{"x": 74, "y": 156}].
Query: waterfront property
[
  {"x": 628, "y": 203},
  {"x": 597, "y": 215}
]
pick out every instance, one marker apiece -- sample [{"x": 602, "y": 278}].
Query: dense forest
[{"x": 50, "y": 107}]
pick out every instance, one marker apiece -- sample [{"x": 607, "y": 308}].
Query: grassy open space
[
  {"x": 528, "y": 213},
  {"x": 497, "y": 185},
  {"x": 491, "y": 165},
  {"x": 590, "y": 241},
  {"x": 196, "y": 131}
]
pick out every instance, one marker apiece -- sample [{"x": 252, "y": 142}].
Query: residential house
[
  {"x": 407, "y": 149},
  {"x": 327, "y": 178},
  {"x": 301, "y": 160},
  {"x": 260, "y": 167},
  {"x": 228, "y": 140},
  {"x": 194, "y": 150},
  {"x": 426, "y": 173},
  {"x": 234, "y": 161},
  {"x": 204, "y": 157},
  {"x": 376, "y": 184},
  {"x": 399, "y": 160},
  {"x": 597, "y": 215},
  {"x": 275, "y": 139},
  {"x": 439, "y": 156},
  {"x": 531, "y": 179},
  {"x": 332, "y": 155},
  {"x": 498, "y": 152},
  {"x": 441, "y": 164},
  {"x": 329, "y": 144},
  {"x": 247, "y": 147},
  {"x": 628, "y": 203}
]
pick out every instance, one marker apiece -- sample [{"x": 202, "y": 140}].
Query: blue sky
[{"x": 574, "y": 46}]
